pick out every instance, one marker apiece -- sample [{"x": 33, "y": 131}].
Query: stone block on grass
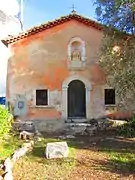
[{"x": 56, "y": 150}]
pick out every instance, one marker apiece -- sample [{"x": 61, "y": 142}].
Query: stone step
[
  {"x": 78, "y": 124},
  {"x": 77, "y": 120},
  {"x": 81, "y": 128}
]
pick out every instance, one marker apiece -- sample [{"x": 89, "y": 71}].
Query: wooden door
[{"x": 76, "y": 100}]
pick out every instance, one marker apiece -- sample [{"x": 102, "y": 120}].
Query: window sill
[
  {"x": 41, "y": 106},
  {"x": 76, "y": 65},
  {"x": 111, "y": 105}
]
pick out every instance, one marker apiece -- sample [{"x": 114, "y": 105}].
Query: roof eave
[{"x": 54, "y": 23}]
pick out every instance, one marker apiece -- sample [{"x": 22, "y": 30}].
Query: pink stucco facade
[{"x": 42, "y": 61}]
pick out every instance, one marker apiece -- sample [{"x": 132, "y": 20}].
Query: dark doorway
[{"x": 76, "y": 100}]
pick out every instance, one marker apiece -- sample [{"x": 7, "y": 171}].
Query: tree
[
  {"x": 119, "y": 14},
  {"x": 118, "y": 48}
]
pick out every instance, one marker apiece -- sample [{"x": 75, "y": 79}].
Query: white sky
[{"x": 9, "y": 8}]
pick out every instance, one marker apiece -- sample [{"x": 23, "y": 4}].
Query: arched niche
[{"x": 76, "y": 52}]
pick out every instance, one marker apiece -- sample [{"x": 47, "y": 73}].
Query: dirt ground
[
  {"x": 93, "y": 157},
  {"x": 104, "y": 156}
]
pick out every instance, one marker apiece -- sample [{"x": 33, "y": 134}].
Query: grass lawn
[
  {"x": 122, "y": 160},
  {"x": 104, "y": 156},
  {"x": 35, "y": 166}
]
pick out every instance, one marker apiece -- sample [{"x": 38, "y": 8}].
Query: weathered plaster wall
[{"x": 40, "y": 61}]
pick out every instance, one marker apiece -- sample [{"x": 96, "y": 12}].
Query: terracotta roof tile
[{"x": 51, "y": 24}]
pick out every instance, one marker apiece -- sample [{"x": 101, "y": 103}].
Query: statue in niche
[{"x": 76, "y": 54}]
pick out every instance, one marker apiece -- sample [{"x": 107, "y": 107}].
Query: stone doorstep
[
  {"x": 78, "y": 125},
  {"x": 81, "y": 128},
  {"x": 87, "y": 128},
  {"x": 77, "y": 120}
]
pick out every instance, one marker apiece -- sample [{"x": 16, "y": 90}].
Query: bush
[
  {"x": 128, "y": 129},
  {"x": 5, "y": 122}
]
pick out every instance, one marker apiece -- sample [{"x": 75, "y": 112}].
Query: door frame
[{"x": 88, "y": 89}]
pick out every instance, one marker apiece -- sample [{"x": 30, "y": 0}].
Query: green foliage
[
  {"x": 120, "y": 67},
  {"x": 128, "y": 129},
  {"x": 119, "y": 62},
  {"x": 8, "y": 145},
  {"x": 5, "y": 122},
  {"x": 119, "y": 14}
]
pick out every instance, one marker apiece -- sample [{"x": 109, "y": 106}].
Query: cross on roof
[{"x": 73, "y": 9}]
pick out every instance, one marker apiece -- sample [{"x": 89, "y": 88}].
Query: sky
[
  {"x": 40, "y": 11},
  {"x": 8, "y": 8},
  {"x": 35, "y": 13}
]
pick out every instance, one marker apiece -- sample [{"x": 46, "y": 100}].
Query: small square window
[
  {"x": 109, "y": 97},
  {"x": 42, "y": 97}
]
